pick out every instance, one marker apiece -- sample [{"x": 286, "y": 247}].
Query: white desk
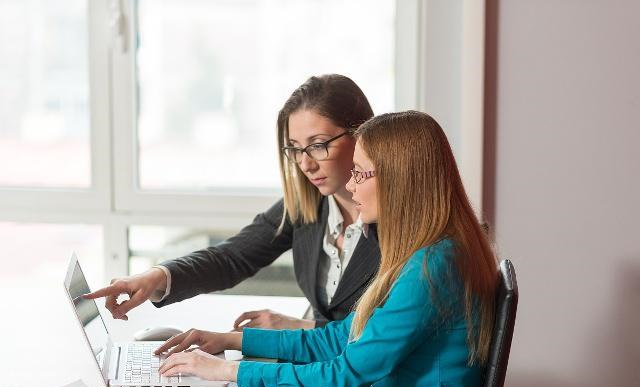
[{"x": 42, "y": 344}]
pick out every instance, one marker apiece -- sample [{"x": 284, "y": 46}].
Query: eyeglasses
[
  {"x": 318, "y": 151},
  {"x": 360, "y": 177}
]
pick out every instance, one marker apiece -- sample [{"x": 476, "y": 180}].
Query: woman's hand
[
  {"x": 200, "y": 364},
  {"x": 139, "y": 288},
  {"x": 210, "y": 342},
  {"x": 268, "y": 319}
]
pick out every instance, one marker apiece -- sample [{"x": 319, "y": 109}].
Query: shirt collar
[
  {"x": 362, "y": 226},
  {"x": 335, "y": 220}
]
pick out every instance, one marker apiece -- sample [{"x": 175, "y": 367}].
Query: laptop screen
[{"x": 87, "y": 311}]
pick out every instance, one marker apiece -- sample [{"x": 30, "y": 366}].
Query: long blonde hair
[
  {"x": 421, "y": 200},
  {"x": 332, "y": 96}
]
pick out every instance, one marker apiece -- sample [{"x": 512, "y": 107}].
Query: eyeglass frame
[
  {"x": 324, "y": 144},
  {"x": 361, "y": 177}
]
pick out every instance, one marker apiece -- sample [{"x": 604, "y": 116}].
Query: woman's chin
[
  {"x": 326, "y": 190},
  {"x": 366, "y": 218}
]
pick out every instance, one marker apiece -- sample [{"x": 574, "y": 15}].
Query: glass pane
[
  {"x": 150, "y": 245},
  {"x": 213, "y": 75},
  {"x": 38, "y": 253},
  {"x": 44, "y": 94}
]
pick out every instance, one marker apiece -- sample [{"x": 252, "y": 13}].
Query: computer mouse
[{"x": 156, "y": 334}]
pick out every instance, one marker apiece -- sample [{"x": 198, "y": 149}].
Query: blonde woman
[
  {"x": 316, "y": 219},
  {"x": 427, "y": 317}
]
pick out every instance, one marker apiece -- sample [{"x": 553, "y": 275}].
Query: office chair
[{"x": 506, "y": 306}]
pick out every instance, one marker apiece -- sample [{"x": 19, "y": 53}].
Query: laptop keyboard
[{"x": 141, "y": 366}]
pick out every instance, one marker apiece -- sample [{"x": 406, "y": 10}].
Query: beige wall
[{"x": 563, "y": 180}]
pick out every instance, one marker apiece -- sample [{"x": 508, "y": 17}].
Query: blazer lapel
[
  {"x": 315, "y": 235},
  {"x": 362, "y": 267}
]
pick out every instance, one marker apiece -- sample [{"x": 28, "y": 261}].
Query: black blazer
[{"x": 258, "y": 245}]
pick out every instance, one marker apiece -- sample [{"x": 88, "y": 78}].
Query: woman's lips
[{"x": 318, "y": 181}]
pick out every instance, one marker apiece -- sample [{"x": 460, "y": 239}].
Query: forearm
[
  {"x": 307, "y": 324},
  {"x": 336, "y": 373},
  {"x": 207, "y": 270},
  {"x": 228, "y": 263},
  {"x": 297, "y": 345}
]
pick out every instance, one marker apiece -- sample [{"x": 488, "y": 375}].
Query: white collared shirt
[{"x": 334, "y": 262}]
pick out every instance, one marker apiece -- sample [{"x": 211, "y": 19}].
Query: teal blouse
[{"x": 406, "y": 342}]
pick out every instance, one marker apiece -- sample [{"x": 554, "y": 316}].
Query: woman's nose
[
  {"x": 307, "y": 163},
  {"x": 351, "y": 185}
]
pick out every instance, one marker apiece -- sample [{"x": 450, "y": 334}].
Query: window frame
[
  {"x": 129, "y": 198},
  {"x": 113, "y": 200},
  {"x": 97, "y": 196}
]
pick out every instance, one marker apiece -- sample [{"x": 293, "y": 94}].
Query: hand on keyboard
[
  {"x": 198, "y": 363},
  {"x": 210, "y": 342}
]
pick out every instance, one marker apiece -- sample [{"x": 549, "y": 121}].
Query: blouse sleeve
[{"x": 300, "y": 346}]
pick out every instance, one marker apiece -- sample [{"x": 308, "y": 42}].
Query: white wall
[{"x": 564, "y": 108}]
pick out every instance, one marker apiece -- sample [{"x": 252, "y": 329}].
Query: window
[
  {"x": 44, "y": 97},
  {"x": 211, "y": 77},
  {"x": 41, "y": 251},
  {"x": 138, "y": 131}
]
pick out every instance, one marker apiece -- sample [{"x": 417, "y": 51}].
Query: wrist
[
  {"x": 230, "y": 371},
  {"x": 233, "y": 340},
  {"x": 158, "y": 279}
]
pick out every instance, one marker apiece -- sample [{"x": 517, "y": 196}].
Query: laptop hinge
[{"x": 114, "y": 363}]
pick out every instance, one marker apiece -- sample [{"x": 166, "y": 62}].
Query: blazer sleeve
[
  {"x": 230, "y": 262},
  {"x": 299, "y": 346},
  {"x": 395, "y": 329}
]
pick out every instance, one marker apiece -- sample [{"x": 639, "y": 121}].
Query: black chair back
[{"x": 506, "y": 306}]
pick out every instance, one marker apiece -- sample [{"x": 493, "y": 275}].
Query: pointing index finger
[{"x": 111, "y": 290}]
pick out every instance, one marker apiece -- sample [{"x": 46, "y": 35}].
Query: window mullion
[{"x": 101, "y": 119}]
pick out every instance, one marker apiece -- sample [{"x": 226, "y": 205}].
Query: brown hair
[
  {"x": 421, "y": 200},
  {"x": 332, "y": 96}
]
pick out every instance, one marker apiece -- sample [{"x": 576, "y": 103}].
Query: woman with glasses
[
  {"x": 334, "y": 254},
  {"x": 427, "y": 317}
]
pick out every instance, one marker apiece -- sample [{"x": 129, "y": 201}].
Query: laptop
[{"x": 121, "y": 364}]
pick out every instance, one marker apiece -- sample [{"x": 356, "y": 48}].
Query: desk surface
[{"x": 43, "y": 346}]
